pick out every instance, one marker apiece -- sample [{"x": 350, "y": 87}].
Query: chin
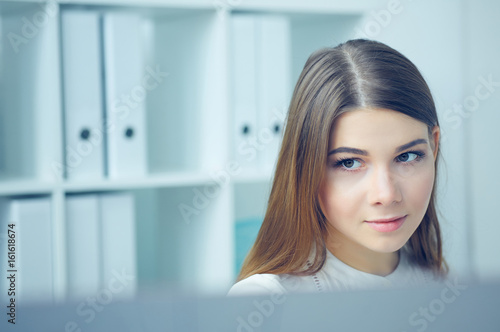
[{"x": 388, "y": 246}]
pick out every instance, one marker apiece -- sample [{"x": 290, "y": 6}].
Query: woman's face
[{"x": 378, "y": 180}]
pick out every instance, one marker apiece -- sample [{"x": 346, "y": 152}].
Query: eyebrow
[{"x": 365, "y": 153}]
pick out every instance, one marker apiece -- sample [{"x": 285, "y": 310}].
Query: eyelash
[{"x": 339, "y": 163}]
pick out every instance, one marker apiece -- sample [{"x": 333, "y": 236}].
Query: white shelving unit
[{"x": 189, "y": 123}]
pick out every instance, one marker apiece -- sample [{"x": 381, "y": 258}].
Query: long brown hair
[{"x": 356, "y": 74}]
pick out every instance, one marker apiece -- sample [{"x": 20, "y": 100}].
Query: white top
[{"x": 335, "y": 275}]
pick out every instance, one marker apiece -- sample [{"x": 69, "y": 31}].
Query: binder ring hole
[
  {"x": 129, "y": 132},
  {"x": 85, "y": 134},
  {"x": 277, "y": 128},
  {"x": 246, "y": 129}
]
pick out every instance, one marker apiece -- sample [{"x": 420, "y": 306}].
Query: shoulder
[
  {"x": 265, "y": 284},
  {"x": 257, "y": 284},
  {"x": 418, "y": 275}
]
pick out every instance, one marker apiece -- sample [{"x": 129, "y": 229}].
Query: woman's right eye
[{"x": 349, "y": 164}]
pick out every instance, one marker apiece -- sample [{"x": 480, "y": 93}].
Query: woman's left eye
[{"x": 407, "y": 157}]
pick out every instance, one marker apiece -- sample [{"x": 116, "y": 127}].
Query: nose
[{"x": 384, "y": 188}]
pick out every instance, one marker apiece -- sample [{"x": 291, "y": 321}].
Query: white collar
[{"x": 337, "y": 275}]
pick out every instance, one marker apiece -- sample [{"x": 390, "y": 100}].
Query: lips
[
  {"x": 387, "y": 224},
  {"x": 387, "y": 219}
]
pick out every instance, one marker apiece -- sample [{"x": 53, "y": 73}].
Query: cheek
[
  {"x": 418, "y": 189},
  {"x": 342, "y": 188},
  {"x": 341, "y": 198}
]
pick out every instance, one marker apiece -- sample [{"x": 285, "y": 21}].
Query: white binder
[
  {"x": 118, "y": 243},
  {"x": 244, "y": 79},
  {"x": 125, "y": 95},
  {"x": 274, "y": 67},
  {"x": 33, "y": 262},
  {"x": 81, "y": 62},
  {"x": 83, "y": 245}
]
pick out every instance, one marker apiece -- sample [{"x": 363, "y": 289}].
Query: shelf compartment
[
  {"x": 184, "y": 85},
  {"x": 250, "y": 202},
  {"x": 30, "y": 110},
  {"x": 185, "y": 242}
]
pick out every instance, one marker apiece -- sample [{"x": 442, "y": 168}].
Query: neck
[{"x": 362, "y": 258}]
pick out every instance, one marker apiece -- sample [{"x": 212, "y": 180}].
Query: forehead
[{"x": 362, "y": 128}]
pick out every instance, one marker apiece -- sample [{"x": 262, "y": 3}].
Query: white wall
[{"x": 482, "y": 61}]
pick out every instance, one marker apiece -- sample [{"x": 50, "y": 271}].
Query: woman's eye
[
  {"x": 350, "y": 163},
  {"x": 407, "y": 157}
]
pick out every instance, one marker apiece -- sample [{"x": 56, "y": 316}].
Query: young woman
[{"x": 352, "y": 204}]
